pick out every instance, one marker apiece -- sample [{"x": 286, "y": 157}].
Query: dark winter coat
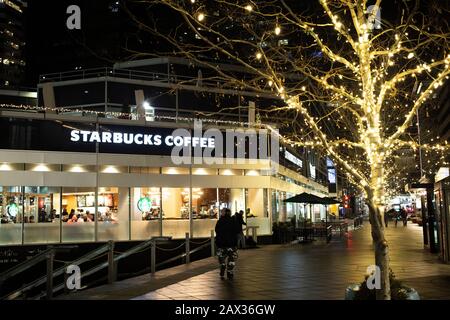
[
  {"x": 239, "y": 219},
  {"x": 226, "y": 232}
]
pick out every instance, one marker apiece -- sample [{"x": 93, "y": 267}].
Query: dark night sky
[
  {"x": 51, "y": 47},
  {"x": 104, "y": 34}
]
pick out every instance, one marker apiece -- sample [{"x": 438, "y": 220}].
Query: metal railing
[
  {"x": 212, "y": 82},
  {"x": 113, "y": 257}
]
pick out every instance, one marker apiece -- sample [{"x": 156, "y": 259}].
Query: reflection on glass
[
  {"x": 145, "y": 212},
  {"x": 11, "y": 211},
  {"x": 78, "y": 214},
  {"x": 41, "y": 214}
]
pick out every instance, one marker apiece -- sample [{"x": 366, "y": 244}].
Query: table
[{"x": 254, "y": 232}]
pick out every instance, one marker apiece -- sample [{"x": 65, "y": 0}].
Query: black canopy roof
[
  {"x": 311, "y": 199},
  {"x": 305, "y": 198}
]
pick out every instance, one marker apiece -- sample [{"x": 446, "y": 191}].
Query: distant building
[{"x": 12, "y": 43}]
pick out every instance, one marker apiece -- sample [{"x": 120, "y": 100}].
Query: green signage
[
  {"x": 144, "y": 204},
  {"x": 12, "y": 209}
]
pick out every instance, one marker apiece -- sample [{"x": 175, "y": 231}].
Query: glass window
[
  {"x": 257, "y": 211},
  {"x": 11, "y": 209},
  {"x": 205, "y": 210},
  {"x": 42, "y": 206},
  {"x": 176, "y": 207},
  {"x": 145, "y": 213},
  {"x": 79, "y": 213},
  {"x": 114, "y": 209},
  {"x": 234, "y": 199}
]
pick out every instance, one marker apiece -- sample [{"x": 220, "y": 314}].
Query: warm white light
[
  {"x": 172, "y": 171},
  {"x": 77, "y": 168},
  {"x": 410, "y": 55},
  {"x": 249, "y": 8},
  {"x": 277, "y": 30},
  {"x": 258, "y": 55},
  {"x": 110, "y": 169},
  {"x": 200, "y": 172},
  {"x": 227, "y": 172},
  {"x": 147, "y": 105},
  {"x": 41, "y": 167},
  {"x": 270, "y": 83},
  {"x": 252, "y": 173},
  {"x": 201, "y": 17},
  {"x": 192, "y": 1},
  {"x": 5, "y": 167}
]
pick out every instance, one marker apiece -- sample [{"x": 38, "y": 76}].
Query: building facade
[
  {"x": 90, "y": 162},
  {"x": 12, "y": 43},
  {"x": 56, "y": 188}
]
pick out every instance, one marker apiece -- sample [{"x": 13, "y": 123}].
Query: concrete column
[{"x": 49, "y": 96}]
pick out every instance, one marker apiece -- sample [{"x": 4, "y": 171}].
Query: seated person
[{"x": 248, "y": 214}]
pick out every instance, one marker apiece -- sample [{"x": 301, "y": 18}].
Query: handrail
[
  {"x": 25, "y": 265},
  {"x": 134, "y": 250},
  {"x": 56, "y": 273},
  {"x": 111, "y": 263},
  {"x": 182, "y": 255},
  {"x": 131, "y": 74}
]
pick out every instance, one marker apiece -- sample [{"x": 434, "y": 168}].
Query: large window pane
[
  {"x": 233, "y": 199},
  {"x": 145, "y": 213},
  {"x": 205, "y": 208},
  {"x": 11, "y": 209},
  {"x": 42, "y": 207},
  {"x": 114, "y": 206},
  {"x": 257, "y": 213},
  {"x": 79, "y": 214},
  {"x": 175, "y": 204}
]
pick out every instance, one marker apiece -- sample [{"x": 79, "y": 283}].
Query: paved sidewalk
[{"x": 301, "y": 271}]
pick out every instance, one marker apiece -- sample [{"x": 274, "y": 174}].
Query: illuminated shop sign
[
  {"x": 12, "y": 210},
  {"x": 312, "y": 171},
  {"x": 140, "y": 139},
  {"x": 289, "y": 156},
  {"x": 332, "y": 176},
  {"x": 144, "y": 204}
]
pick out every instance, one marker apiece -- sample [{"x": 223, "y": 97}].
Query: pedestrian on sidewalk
[
  {"x": 396, "y": 217},
  {"x": 386, "y": 218},
  {"x": 404, "y": 215},
  {"x": 239, "y": 216},
  {"x": 226, "y": 241}
]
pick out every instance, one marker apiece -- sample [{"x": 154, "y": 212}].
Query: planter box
[{"x": 350, "y": 293}]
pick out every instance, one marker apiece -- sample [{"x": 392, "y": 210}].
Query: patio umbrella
[{"x": 306, "y": 198}]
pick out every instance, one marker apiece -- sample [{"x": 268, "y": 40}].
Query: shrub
[{"x": 398, "y": 290}]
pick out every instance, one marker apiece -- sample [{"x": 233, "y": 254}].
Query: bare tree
[{"x": 344, "y": 69}]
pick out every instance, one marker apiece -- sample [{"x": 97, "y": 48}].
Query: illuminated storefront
[{"x": 55, "y": 188}]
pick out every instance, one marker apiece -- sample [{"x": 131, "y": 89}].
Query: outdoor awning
[
  {"x": 311, "y": 199},
  {"x": 306, "y": 198}
]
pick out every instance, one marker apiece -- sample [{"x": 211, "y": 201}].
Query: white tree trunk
[{"x": 376, "y": 213}]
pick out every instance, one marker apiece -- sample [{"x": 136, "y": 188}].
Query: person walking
[
  {"x": 239, "y": 216},
  {"x": 404, "y": 216},
  {"x": 386, "y": 218},
  {"x": 226, "y": 241}
]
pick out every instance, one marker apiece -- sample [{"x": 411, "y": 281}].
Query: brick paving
[{"x": 317, "y": 271}]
